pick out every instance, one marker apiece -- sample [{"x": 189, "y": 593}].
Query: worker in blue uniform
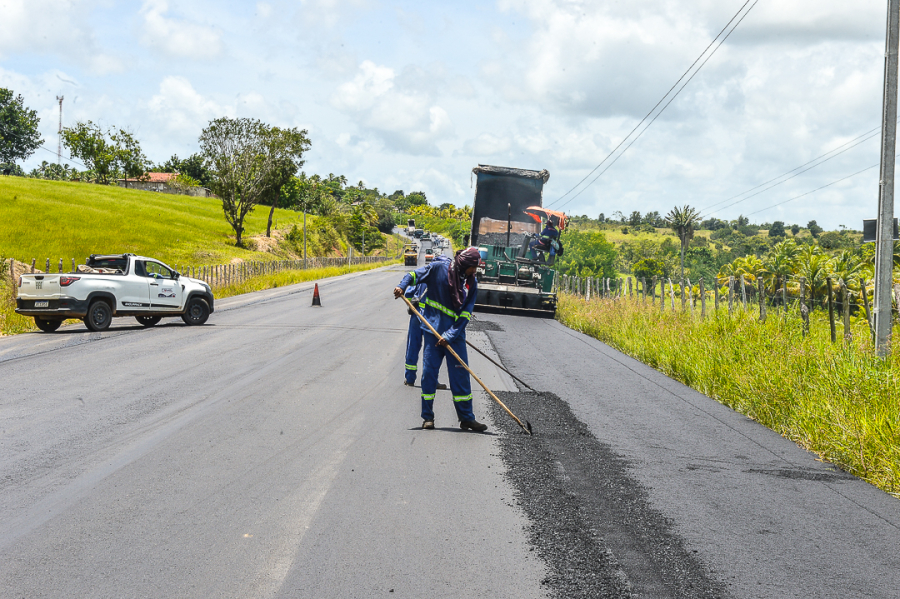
[
  {"x": 447, "y": 306},
  {"x": 415, "y": 294},
  {"x": 547, "y": 243}
]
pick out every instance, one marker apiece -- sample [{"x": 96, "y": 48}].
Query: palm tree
[
  {"x": 682, "y": 221},
  {"x": 781, "y": 262},
  {"x": 815, "y": 266}
]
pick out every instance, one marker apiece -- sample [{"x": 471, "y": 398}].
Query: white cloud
[
  {"x": 52, "y": 27},
  {"x": 181, "y": 111},
  {"x": 404, "y": 117},
  {"x": 178, "y": 38}
]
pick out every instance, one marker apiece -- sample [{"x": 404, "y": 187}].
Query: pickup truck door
[
  {"x": 134, "y": 295},
  {"x": 165, "y": 290}
]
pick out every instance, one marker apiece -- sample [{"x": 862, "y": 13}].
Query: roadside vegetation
[{"x": 837, "y": 400}]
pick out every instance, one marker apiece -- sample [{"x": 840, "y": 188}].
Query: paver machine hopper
[{"x": 507, "y": 216}]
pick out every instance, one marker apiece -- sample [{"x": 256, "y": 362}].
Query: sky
[{"x": 412, "y": 95}]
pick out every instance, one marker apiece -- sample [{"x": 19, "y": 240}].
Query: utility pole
[
  {"x": 884, "y": 241},
  {"x": 59, "y": 133}
]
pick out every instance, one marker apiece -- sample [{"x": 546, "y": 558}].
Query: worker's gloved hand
[
  {"x": 443, "y": 342},
  {"x": 398, "y": 291}
]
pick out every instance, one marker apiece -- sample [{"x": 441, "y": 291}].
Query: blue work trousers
[
  {"x": 413, "y": 345},
  {"x": 460, "y": 385}
]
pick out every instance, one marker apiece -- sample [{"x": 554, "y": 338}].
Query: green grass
[
  {"x": 837, "y": 400},
  {"x": 57, "y": 219}
]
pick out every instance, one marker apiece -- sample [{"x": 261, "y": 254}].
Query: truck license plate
[{"x": 42, "y": 304}]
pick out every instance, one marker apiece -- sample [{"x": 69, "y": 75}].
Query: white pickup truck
[{"x": 113, "y": 285}]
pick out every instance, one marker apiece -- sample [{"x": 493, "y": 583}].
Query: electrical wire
[
  {"x": 797, "y": 174},
  {"x": 868, "y": 168},
  {"x": 70, "y": 158},
  {"x": 738, "y": 13}
]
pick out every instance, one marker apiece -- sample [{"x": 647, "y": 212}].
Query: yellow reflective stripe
[
  {"x": 466, "y": 315},
  {"x": 462, "y": 397},
  {"x": 411, "y": 367},
  {"x": 413, "y": 273},
  {"x": 427, "y": 397},
  {"x": 441, "y": 308}
]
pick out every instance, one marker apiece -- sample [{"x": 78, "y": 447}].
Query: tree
[
  {"x": 795, "y": 228},
  {"x": 814, "y": 228},
  {"x": 109, "y": 153},
  {"x": 635, "y": 219},
  {"x": 192, "y": 166},
  {"x": 19, "y": 135},
  {"x": 683, "y": 221},
  {"x": 776, "y": 229},
  {"x": 248, "y": 160}
]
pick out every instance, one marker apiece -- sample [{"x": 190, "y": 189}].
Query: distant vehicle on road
[
  {"x": 410, "y": 227},
  {"x": 410, "y": 255},
  {"x": 418, "y": 233},
  {"x": 426, "y": 236},
  {"x": 429, "y": 255},
  {"x": 113, "y": 285}
]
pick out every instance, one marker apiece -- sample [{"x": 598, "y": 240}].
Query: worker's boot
[
  {"x": 473, "y": 425},
  {"x": 428, "y": 424}
]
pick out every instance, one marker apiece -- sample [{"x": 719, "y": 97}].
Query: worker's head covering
[{"x": 456, "y": 275}]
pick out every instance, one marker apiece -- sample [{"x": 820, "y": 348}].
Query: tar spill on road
[{"x": 589, "y": 520}]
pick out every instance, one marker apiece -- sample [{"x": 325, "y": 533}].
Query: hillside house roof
[{"x": 156, "y": 178}]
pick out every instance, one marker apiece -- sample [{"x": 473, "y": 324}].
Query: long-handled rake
[{"x": 525, "y": 427}]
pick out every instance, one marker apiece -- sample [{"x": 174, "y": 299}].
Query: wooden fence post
[
  {"x": 702, "y": 300},
  {"x": 683, "y": 296},
  {"x": 590, "y": 282},
  {"x": 743, "y": 293},
  {"x": 831, "y": 309},
  {"x": 716, "y": 295},
  {"x": 630, "y": 295},
  {"x": 845, "y": 298},
  {"x": 74, "y": 268},
  {"x": 12, "y": 272},
  {"x": 730, "y": 294},
  {"x": 804, "y": 311},
  {"x": 865, "y": 296},
  {"x": 672, "y": 294},
  {"x": 653, "y": 292},
  {"x": 690, "y": 300},
  {"x": 32, "y": 265},
  {"x": 47, "y": 267},
  {"x": 762, "y": 300}
]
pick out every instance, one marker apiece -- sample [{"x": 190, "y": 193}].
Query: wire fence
[{"x": 787, "y": 296}]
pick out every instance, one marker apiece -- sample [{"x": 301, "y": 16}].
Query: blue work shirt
[
  {"x": 437, "y": 305},
  {"x": 548, "y": 234}
]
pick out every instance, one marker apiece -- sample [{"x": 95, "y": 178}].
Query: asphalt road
[
  {"x": 275, "y": 452},
  {"x": 686, "y": 496}
]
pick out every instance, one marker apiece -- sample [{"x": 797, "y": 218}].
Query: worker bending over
[
  {"x": 447, "y": 306},
  {"x": 415, "y": 293}
]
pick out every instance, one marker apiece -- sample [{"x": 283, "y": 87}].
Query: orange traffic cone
[{"x": 316, "y": 300}]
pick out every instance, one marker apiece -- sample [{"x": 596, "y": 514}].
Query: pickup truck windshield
[{"x": 157, "y": 270}]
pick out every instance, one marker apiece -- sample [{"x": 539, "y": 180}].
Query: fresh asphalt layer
[
  {"x": 274, "y": 452},
  {"x": 671, "y": 493}
]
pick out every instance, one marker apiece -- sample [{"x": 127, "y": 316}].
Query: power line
[
  {"x": 740, "y": 10},
  {"x": 870, "y": 135},
  {"x": 868, "y": 168},
  {"x": 70, "y": 158}
]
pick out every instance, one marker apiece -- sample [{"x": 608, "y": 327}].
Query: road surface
[{"x": 275, "y": 453}]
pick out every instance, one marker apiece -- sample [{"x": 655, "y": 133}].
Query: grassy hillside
[{"x": 57, "y": 219}]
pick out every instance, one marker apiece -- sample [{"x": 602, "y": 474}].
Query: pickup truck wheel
[
  {"x": 99, "y": 316},
  {"x": 197, "y": 312},
  {"x": 48, "y": 326},
  {"x": 148, "y": 321}
]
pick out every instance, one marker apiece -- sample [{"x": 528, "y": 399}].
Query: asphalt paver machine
[{"x": 506, "y": 217}]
